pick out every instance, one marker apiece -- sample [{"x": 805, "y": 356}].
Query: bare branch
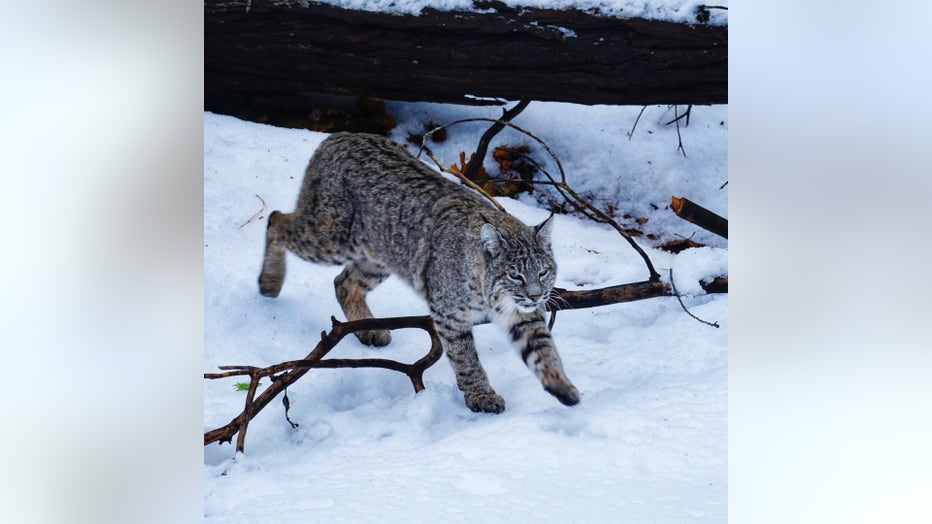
[
  {"x": 679, "y": 137},
  {"x": 636, "y": 120},
  {"x": 296, "y": 369},
  {"x": 680, "y": 300},
  {"x": 473, "y": 167}
]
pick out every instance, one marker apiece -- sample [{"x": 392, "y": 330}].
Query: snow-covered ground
[
  {"x": 648, "y": 442},
  {"x": 681, "y": 11}
]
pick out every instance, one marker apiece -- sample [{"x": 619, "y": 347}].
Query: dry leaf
[{"x": 675, "y": 246}]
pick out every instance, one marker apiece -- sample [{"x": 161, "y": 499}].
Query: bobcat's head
[{"x": 521, "y": 267}]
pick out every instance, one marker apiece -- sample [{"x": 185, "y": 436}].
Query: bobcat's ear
[
  {"x": 542, "y": 232},
  {"x": 492, "y": 241}
]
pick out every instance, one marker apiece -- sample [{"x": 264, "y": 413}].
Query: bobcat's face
[
  {"x": 527, "y": 282},
  {"x": 522, "y": 267}
]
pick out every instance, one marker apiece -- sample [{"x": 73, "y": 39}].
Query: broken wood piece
[
  {"x": 702, "y": 217},
  {"x": 716, "y": 285}
]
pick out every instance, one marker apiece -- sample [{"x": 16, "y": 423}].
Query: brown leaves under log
[
  {"x": 368, "y": 116},
  {"x": 515, "y": 161},
  {"x": 374, "y": 110},
  {"x": 512, "y": 158},
  {"x": 514, "y": 171}
]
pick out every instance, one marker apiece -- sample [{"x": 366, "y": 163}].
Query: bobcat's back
[{"x": 380, "y": 202}]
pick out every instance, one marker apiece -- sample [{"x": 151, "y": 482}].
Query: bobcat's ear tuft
[
  {"x": 542, "y": 232},
  {"x": 492, "y": 241}
]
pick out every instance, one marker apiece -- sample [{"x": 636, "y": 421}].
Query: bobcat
[{"x": 368, "y": 203}]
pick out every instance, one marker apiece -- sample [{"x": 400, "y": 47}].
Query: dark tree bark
[{"x": 257, "y": 50}]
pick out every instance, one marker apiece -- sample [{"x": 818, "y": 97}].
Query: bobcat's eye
[
  {"x": 516, "y": 277},
  {"x": 544, "y": 273}
]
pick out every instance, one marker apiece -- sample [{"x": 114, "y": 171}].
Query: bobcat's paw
[
  {"x": 486, "y": 402},
  {"x": 377, "y": 338},
  {"x": 270, "y": 286},
  {"x": 565, "y": 392}
]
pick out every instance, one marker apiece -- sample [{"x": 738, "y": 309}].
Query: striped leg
[
  {"x": 470, "y": 377},
  {"x": 531, "y": 337},
  {"x": 358, "y": 278}
]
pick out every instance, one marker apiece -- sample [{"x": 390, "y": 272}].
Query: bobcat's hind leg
[
  {"x": 352, "y": 284},
  {"x": 273, "y": 265}
]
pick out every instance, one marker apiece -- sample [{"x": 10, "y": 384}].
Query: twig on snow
[
  {"x": 679, "y": 137},
  {"x": 636, "y": 120},
  {"x": 257, "y": 215},
  {"x": 677, "y": 118},
  {"x": 680, "y": 300}
]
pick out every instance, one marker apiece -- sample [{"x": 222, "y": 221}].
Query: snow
[
  {"x": 681, "y": 11},
  {"x": 648, "y": 441}
]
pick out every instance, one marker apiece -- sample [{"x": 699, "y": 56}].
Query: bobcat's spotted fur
[{"x": 369, "y": 204}]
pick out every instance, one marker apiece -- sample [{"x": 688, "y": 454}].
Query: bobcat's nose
[{"x": 534, "y": 298}]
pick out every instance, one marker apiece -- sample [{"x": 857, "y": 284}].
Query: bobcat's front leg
[
  {"x": 470, "y": 377},
  {"x": 532, "y": 338}
]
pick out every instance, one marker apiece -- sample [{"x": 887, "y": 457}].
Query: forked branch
[
  {"x": 507, "y": 116},
  {"x": 286, "y": 373}
]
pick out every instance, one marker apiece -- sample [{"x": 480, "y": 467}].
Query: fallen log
[{"x": 268, "y": 52}]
